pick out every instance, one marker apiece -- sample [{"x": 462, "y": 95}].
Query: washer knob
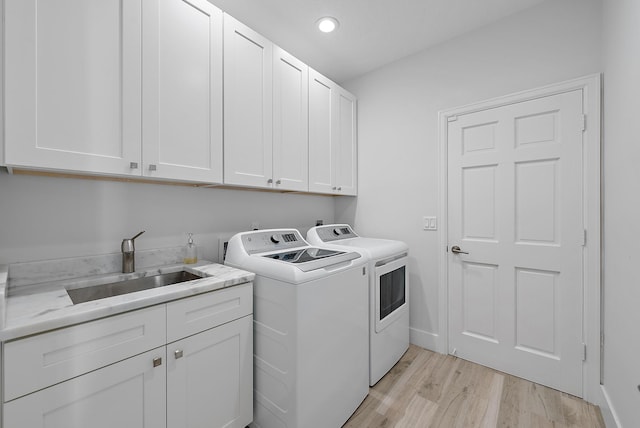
[
  {"x": 336, "y": 231},
  {"x": 275, "y": 239}
]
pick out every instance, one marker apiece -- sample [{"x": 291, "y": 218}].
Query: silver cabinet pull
[
  {"x": 270, "y": 180},
  {"x": 152, "y": 167},
  {"x": 339, "y": 189},
  {"x": 178, "y": 353},
  {"x": 157, "y": 362},
  {"x": 457, "y": 250},
  {"x": 133, "y": 165},
  {"x": 334, "y": 188},
  {"x": 279, "y": 182}
]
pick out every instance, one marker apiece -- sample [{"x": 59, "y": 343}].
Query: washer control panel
[
  {"x": 262, "y": 241},
  {"x": 335, "y": 232}
]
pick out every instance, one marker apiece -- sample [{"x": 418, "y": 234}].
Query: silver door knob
[
  {"x": 279, "y": 182},
  {"x": 157, "y": 362},
  {"x": 456, "y": 250},
  {"x": 339, "y": 188},
  {"x": 178, "y": 353},
  {"x": 270, "y": 180}
]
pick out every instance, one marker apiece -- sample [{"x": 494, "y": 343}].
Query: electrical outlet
[{"x": 430, "y": 223}]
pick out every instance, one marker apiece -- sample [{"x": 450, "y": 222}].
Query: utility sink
[{"x": 86, "y": 294}]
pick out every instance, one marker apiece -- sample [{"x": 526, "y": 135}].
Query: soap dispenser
[{"x": 190, "y": 252}]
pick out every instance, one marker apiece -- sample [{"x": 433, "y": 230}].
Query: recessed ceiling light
[{"x": 327, "y": 24}]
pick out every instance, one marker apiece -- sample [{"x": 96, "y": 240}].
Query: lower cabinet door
[
  {"x": 210, "y": 377},
  {"x": 129, "y": 394}
]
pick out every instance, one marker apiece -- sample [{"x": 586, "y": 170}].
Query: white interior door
[{"x": 516, "y": 207}]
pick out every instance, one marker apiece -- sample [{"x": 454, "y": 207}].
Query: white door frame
[{"x": 591, "y": 87}]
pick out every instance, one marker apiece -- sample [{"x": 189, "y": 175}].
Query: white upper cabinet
[
  {"x": 72, "y": 85},
  {"x": 290, "y": 122},
  {"x": 113, "y": 87},
  {"x": 321, "y": 106},
  {"x": 182, "y": 90},
  {"x": 248, "y": 98},
  {"x": 332, "y": 137},
  {"x": 171, "y": 90},
  {"x": 346, "y": 161}
]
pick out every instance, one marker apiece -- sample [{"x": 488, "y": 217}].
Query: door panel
[
  {"x": 479, "y": 200},
  {"x": 182, "y": 123},
  {"x": 248, "y": 97},
  {"x": 72, "y": 84},
  {"x": 321, "y": 156},
  {"x": 515, "y": 205},
  {"x": 346, "y": 177},
  {"x": 290, "y": 122},
  {"x": 479, "y": 288},
  {"x": 131, "y": 393},
  {"x": 209, "y": 377}
]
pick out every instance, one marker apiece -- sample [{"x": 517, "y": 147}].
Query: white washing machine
[
  {"x": 310, "y": 329},
  {"x": 388, "y": 292}
]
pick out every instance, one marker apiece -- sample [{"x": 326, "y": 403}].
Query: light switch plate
[{"x": 430, "y": 223}]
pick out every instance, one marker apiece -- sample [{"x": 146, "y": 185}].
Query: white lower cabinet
[
  {"x": 209, "y": 376},
  {"x": 130, "y": 393},
  {"x": 203, "y": 379}
]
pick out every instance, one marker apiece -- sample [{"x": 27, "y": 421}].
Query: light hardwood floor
[{"x": 426, "y": 389}]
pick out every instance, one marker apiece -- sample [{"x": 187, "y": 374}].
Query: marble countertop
[{"x": 27, "y": 309}]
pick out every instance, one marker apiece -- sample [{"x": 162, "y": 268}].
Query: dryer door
[{"x": 391, "y": 292}]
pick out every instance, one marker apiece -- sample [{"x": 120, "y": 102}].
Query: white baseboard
[
  {"x": 609, "y": 415},
  {"x": 423, "y": 339}
]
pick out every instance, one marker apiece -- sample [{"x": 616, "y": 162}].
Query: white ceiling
[{"x": 372, "y": 33}]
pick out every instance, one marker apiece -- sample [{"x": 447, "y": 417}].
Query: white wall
[
  {"x": 622, "y": 208},
  {"x": 397, "y": 123},
  {"x": 48, "y": 218}
]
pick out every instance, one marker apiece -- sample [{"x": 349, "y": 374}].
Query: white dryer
[
  {"x": 310, "y": 328},
  {"x": 388, "y": 292}
]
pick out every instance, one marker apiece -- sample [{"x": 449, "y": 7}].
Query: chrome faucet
[{"x": 128, "y": 254}]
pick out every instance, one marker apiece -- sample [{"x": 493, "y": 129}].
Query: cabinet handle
[
  {"x": 157, "y": 362},
  {"x": 334, "y": 188},
  {"x": 178, "y": 353},
  {"x": 339, "y": 189},
  {"x": 279, "y": 182},
  {"x": 133, "y": 165},
  {"x": 152, "y": 167},
  {"x": 269, "y": 181}
]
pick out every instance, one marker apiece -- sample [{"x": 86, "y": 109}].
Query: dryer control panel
[
  {"x": 262, "y": 241},
  {"x": 335, "y": 232}
]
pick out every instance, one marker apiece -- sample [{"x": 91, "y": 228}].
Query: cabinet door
[
  {"x": 321, "y": 156},
  {"x": 210, "y": 377},
  {"x": 130, "y": 393},
  {"x": 248, "y": 94},
  {"x": 182, "y": 92},
  {"x": 345, "y": 151},
  {"x": 73, "y": 85},
  {"x": 290, "y": 122}
]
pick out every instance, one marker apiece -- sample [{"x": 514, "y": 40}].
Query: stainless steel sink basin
[{"x": 86, "y": 294}]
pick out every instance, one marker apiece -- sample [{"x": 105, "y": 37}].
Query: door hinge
[
  {"x": 583, "y": 122},
  {"x": 584, "y": 352}
]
